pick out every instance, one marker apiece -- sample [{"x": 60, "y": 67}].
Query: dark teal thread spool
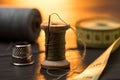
[{"x": 55, "y": 48}]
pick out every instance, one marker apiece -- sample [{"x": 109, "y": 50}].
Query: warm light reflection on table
[{"x": 73, "y": 56}]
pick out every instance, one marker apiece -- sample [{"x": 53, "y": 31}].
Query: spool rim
[
  {"x": 46, "y": 64},
  {"x": 55, "y": 27}
]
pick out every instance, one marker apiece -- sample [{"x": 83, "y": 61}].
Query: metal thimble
[{"x": 22, "y": 54}]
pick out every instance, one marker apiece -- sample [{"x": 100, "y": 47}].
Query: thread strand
[{"x": 59, "y": 43}]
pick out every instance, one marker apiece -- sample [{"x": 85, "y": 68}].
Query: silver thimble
[{"x": 22, "y": 54}]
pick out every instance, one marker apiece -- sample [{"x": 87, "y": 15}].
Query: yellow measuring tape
[
  {"x": 98, "y": 32},
  {"x": 95, "y": 69}
]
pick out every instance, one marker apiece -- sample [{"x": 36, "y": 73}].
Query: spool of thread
[
  {"x": 55, "y": 49},
  {"x": 99, "y": 32},
  {"x": 19, "y": 24}
]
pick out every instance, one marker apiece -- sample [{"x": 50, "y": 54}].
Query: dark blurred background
[{"x": 70, "y": 10}]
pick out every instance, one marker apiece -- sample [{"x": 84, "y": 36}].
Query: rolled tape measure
[{"x": 99, "y": 32}]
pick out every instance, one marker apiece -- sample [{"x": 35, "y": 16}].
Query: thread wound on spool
[
  {"x": 19, "y": 24},
  {"x": 98, "y": 32},
  {"x": 56, "y": 46},
  {"x": 55, "y": 57}
]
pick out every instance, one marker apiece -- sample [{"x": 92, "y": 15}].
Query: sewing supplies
[
  {"x": 55, "y": 45},
  {"x": 55, "y": 48},
  {"x": 111, "y": 32},
  {"x": 22, "y": 54},
  {"x": 95, "y": 69},
  {"x": 19, "y": 24},
  {"x": 99, "y": 32}
]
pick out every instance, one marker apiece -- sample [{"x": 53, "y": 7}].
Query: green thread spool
[{"x": 55, "y": 48}]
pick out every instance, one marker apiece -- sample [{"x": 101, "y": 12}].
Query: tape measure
[
  {"x": 95, "y": 69},
  {"x": 99, "y": 32}
]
